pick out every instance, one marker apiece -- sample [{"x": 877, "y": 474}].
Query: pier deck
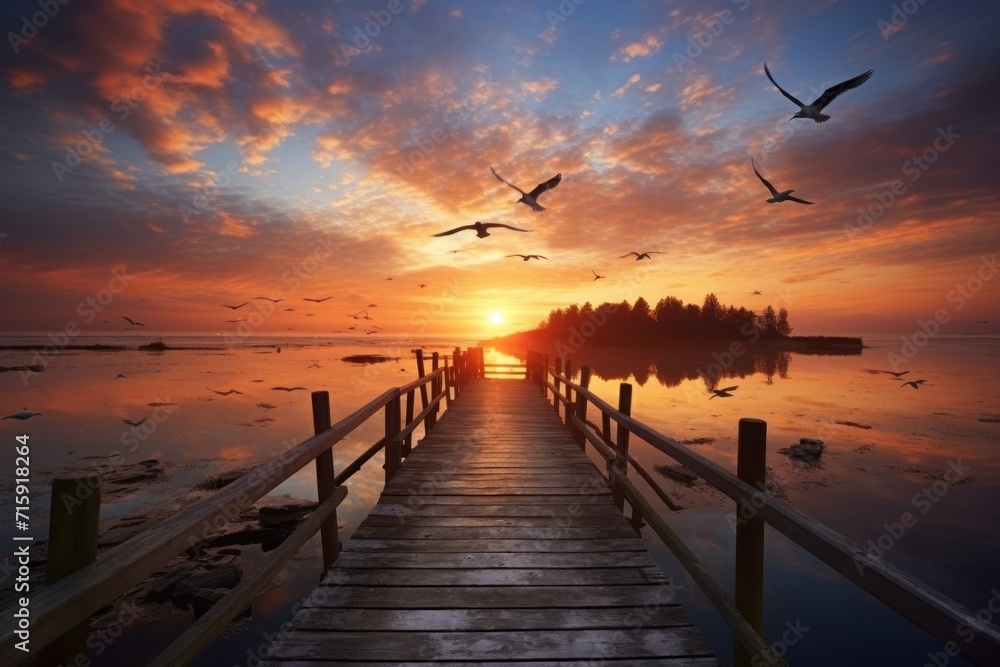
[{"x": 496, "y": 542}]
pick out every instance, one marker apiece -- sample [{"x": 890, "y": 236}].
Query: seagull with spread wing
[
  {"x": 326, "y": 298},
  {"x": 527, "y": 257},
  {"x": 235, "y": 307},
  {"x": 776, "y": 196},
  {"x": 723, "y": 393},
  {"x": 480, "y": 229},
  {"x": 642, "y": 255},
  {"x": 531, "y": 198},
  {"x": 830, "y": 94},
  {"x": 133, "y": 322},
  {"x": 913, "y": 383},
  {"x": 596, "y": 277}
]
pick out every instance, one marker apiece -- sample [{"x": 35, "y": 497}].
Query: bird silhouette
[
  {"x": 895, "y": 374},
  {"x": 756, "y": 292},
  {"x": 225, "y": 393},
  {"x": 480, "y": 229},
  {"x": 531, "y": 198},
  {"x": 235, "y": 307},
  {"x": 138, "y": 423},
  {"x": 286, "y": 388},
  {"x": 642, "y": 255},
  {"x": 597, "y": 277},
  {"x": 264, "y": 298},
  {"x": 723, "y": 393},
  {"x": 776, "y": 196},
  {"x": 527, "y": 257},
  {"x": 913, "y": 383},
  {"x": 326, "y": 298},
  {"x": 829, "y": 95},
  {"x": 133, "y": 322}
]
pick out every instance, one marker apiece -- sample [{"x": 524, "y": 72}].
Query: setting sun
[{"x": 496, "y": 318}]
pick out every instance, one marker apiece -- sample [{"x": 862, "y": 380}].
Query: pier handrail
[
  {"x": 925, "y": 607},
  {"x": 75, "y": 598}
]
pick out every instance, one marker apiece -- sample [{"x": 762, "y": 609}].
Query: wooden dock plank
[{"x": 496, "y": 542}]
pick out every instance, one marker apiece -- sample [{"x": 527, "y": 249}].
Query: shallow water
[{"x": 866, "y": 478}]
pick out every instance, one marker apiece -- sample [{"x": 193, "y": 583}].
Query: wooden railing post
[
  {"x": 527, "y": 366},
  {"x": 393, "y": 450},
  {"x": 456, "y": 359},
  {"x": 569, "y": 398},
  {"x": 74, "y": 515},
  {"x": 435, "y": 390},
  {"x": 581, "y": 406},
  {"x": 621, "y": 446},
  {"x": 543, "y": 377},
  {"x": 325, "y": 484},
  {"x": 555, "y": 383},
  {"x": 407, "y": 444},
  {"x": 750, "y": 467},
  {"x": 420, "y": 373},
  {"x": 447, "y": 383},
  {"x": 482, "y": 362}
]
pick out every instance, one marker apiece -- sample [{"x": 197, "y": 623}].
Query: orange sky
[{"x": 272, "y": 151}]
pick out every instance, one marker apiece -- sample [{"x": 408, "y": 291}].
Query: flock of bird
[{"x": 811, "y": 111}]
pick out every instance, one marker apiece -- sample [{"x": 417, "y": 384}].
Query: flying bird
[
  {"x": 24, "y": 414},
  {"x": 723, "y": 393},
  {"x": 235, "y": 307},
  {"x": 120, "y": 375},
  {"x": 421, "y": 285},
  {"x": 913, "y": 383},
  {"x": 233, "y": 321},
  {"x": 286, "y": 388},
  {"x": 756, "y": 292},
  {"x": 642, "y": 255},
  {"x": 775, "y": 195},
  {"x": 531, "y": 198},
  {"x": 596, "y": 277},
  {"x": 480, "y": 229},
  {"x": 225, "y": 393},
  {"x": 138, "y": 423},
  {"x": 829, "y": 95},
  {"x": 317, "y": 300},
  {"x": 133, "y": 322},
  {"x": 527, "y": 257},
  {"x": 895, "y": 374},
  {"x": 265, "y": 298}
]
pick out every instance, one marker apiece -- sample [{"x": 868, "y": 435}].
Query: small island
[{"x": 672, "y": 323}]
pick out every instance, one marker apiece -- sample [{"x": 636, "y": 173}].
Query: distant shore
[{"x": 802, "y": 344}]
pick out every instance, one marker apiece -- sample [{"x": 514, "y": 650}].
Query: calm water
[{"x": 866, "y": 478}]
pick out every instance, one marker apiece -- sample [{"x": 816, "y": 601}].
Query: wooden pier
[{"x": 497, "y": 541}]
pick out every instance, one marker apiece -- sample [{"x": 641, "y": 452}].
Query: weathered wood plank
[
  {"x": 682, "y": 661},
  {"x": 395, "y": 510},
  {"x": 431, "y": 560},
  {"x": 488, "y": 619},
  {"x": 552, "y": 532},
  {"x": 612, "y": 576},
  {"x": 491, "y": 597},
  {"x": 495, "y": 546},
  {"x": 534, "y": 645}
]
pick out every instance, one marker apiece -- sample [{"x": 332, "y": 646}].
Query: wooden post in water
[
  {"x": 555, "y": 383},
  {"x": 569, "y": 390},
  {"x": 581, "y": 406},
  {"x": 482, "y": 362},
  {"x": 393, "y": 449},
  {"x": 435, "y": 390},
  {"x": 527, "y": 366},
  {"x": 325, "y": 484},
  {"x": 447, "y": 383},
  {"x": 73, "y": 524},
  {"x": 621, "y": 446},
  {"x": 750, "y": 467}
]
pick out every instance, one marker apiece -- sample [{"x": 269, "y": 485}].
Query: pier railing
[
  {"x": 69, "y": 602},
  {"x": 920, "y": 604}
]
